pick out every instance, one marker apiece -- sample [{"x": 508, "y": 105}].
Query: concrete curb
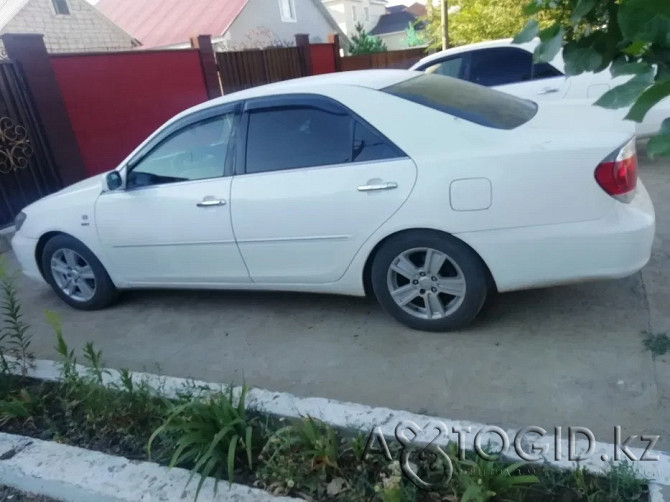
[
  {"x": 77, "y": 475},
  {"x": 361, "y": 418}
]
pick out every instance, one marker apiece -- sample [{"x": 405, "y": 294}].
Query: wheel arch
[
  {"x": 367, "y": 268},
  {"x": 39, "y": 248}
]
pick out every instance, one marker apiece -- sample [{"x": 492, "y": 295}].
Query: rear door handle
[
  {"x": 211, "y": 201},
  {"x": 548, "y": 90},
  {"x": 378, "y": 186}
]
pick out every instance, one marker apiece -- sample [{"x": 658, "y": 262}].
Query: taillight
[{"x": 617, "y": 174}]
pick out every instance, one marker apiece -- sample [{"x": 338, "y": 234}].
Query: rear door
[
  {"x": 511, "y": 69},
  {"x": 314, "y": 181},
  {"x": 508, "y": 69}
]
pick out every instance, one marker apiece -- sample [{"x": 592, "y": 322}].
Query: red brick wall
[{"x": 115, "y": 100}]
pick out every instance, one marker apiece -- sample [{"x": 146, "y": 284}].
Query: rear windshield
[{"x": 465, "y": 100}]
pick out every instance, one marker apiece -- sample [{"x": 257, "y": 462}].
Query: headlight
[{"x": 19, "y": 220}]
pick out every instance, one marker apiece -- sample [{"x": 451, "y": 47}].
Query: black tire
[
  {"x": 462, "y": 264},
  {"x": 104, "y": 290}
]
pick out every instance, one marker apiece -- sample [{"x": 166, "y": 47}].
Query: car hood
[{"x": 82, "y": 192}]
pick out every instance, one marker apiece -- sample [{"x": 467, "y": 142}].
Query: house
[
  {"x": 392, "y": 27},
  {"x": 348, "y": 13},
  {"x": 233, "y": 24},
  {"x": 67, "y": 25}
]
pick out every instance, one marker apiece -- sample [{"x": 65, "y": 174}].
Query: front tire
[
  {"x": 76, "y": 275},
  {"x": 429, "y": 281}
]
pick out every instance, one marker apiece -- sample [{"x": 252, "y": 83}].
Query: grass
[{"x": 657, "y": 343}]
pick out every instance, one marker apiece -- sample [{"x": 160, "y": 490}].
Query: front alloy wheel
[
  {"x": 76, "y": 274},
  {"x": 73, "y": 275},
  {"x": 429, "y": 280}
]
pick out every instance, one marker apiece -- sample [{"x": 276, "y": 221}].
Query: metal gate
[{"x": 27, "y": 171}]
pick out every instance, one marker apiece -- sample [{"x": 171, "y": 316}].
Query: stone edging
[{"x": 362, "y": 418}]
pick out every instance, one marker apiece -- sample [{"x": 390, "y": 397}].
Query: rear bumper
[
  {"x": 24, "y": 249},
  {"x": 612, "y": 247}
]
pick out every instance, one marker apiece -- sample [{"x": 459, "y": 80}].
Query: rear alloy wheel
[
  {"x": 75, "y": 274},
  {"x": 429, "y": 281}
]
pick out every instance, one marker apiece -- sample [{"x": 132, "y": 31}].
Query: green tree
[
  {"x": 414, "y": 37},
  {"x": 628, "y": 37},
  {"x": 364, "y": 43},
  {"x": 477, "y": 20}
]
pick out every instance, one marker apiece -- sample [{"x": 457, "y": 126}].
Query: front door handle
[
  {"x": 211, "y": 201},
  {"x": 378, "y": 186}
]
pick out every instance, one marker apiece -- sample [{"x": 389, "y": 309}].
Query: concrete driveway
[{"x": 562, "y": 356}]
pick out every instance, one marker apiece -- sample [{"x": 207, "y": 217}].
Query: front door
[
  {"x": 315, "y": 184},
  {"x": 171, "y": 222}
]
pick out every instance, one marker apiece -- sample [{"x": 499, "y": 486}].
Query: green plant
[
  {"x": 479, "y": 480},
  {"x": 414, "y": 37},
  {"x": 15, "y": 351},
  {"x": 212, "y": 435},
  {"x": 303, "y": 454},
  {"x": 364, "y": 43},
  {"x": 622, "y": 482},
  {"x": 630, "y": 37},
  {"x": 657, "y": 343}
]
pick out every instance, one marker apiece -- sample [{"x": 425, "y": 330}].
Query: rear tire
[
  {"x": 76, "y": 275},
  {"x": 429, "y": 281}
]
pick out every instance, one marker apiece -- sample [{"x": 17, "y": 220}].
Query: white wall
[
  {"x": 84, "y": 29},
  {"x": 260, "y": 24},
  {"x": 343, "y": 13}
]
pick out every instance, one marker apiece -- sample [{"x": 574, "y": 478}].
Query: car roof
[
  {"x": 372, "y": 79},
  {"x": 503, "y": 42}
]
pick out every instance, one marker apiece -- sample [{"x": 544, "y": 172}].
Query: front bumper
[{"x": 24, "y": 249}]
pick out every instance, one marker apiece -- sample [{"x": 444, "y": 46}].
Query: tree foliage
[
  {"x": 364, "y": 43},
  {"x": 414, "y": 37},
  {"x": 477, "y": 20},
  {"x": 630, "y": 37}
]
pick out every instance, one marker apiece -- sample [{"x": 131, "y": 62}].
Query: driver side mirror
[{"x": 113, "y": 181}]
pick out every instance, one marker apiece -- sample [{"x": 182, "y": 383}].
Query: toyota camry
[{"x": 429, "y": 193}]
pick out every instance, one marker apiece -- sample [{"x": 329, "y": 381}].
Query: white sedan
[
  {"x": 509, "y": 67},
  {"x": 426, "y": 191}
]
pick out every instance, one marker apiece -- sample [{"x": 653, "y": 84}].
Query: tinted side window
[
  {"x": 500, "y": 66},
  {"x": 545, "y": 70},
  {"x": 295, "y": 136},
  {"x": 196, "y": 152},
  {"x": 292, "y": 137},
  {"x": 369, "y": 145},
  {"x": 452, "y": 67}
]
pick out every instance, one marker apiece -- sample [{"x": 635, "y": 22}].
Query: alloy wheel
[
  {"x": 73, "y": 275},
  {"x": 426, "y": 283}
]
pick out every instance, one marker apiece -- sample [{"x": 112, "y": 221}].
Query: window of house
[
  {"x": 194, "y": 153},
  {"x": 291, "y": 137},
  {"x": 287, "y": 11},
  {"x": 353, "y": 13},
  {"x": 61, "y": 7}
]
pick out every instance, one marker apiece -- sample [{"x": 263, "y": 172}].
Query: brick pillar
[
  {"x": 208, "y": 61},
  {"x": 302, "y": 40},
  {"x": 30, "y": 53},
  {"x": 334, "y": 39}
]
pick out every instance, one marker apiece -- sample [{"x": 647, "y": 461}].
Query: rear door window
[
  {"x": 467, "y": 101},
  {"x": 500, "y": 66},
  {"x": 310, "y": 134}
]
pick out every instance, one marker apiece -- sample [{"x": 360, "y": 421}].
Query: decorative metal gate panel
[{"x": 27, "y": 171}]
